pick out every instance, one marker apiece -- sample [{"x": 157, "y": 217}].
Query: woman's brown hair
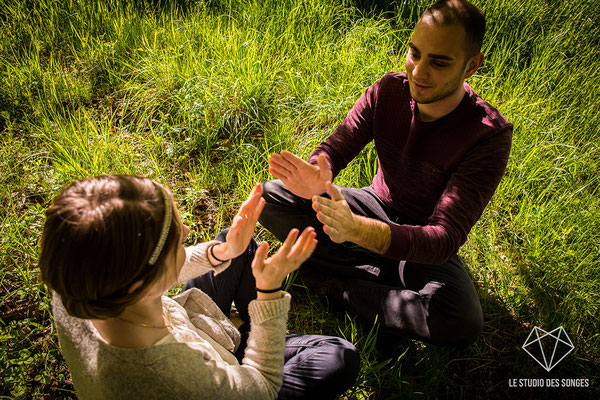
[{"x": 98, "y": 238}]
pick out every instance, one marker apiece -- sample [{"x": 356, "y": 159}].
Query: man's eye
[
  {"x": 415, "y": 55},
  {"x": 439, "y": 64}
]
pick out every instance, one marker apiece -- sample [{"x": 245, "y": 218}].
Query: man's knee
[
  {"x": 464, "y": 330},
  {"x": 470, "y": 327},
  {"x": 284, "y": 210},
  {"x": 448, "y": 324},
  {"x": 268, "y": 216},
  {"x": 272, "y": 190}
]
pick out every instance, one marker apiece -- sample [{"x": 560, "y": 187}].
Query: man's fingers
[
  {"x": 278, "y": 173},
  {"x": 333, "y": 192},
  {"x": 319, "y": 202},
  {"x": 325, "y": 206},
  {"x": 332, "y": 233},
  {"x": 325, "y": 171},
  {"x": 279, "y": 166},
  {"x": 325, "y": 219},
  {"x": 283, "y": 162},
  {"x": 293, "y": 159}
]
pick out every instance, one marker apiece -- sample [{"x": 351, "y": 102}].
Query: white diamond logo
[{"x": 548, "y": 348}]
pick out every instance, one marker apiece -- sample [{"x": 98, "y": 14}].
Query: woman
[{"x": 110, "y": 249}]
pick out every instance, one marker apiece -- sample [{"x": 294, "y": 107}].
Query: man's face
[{"x": 435, "y": 62}]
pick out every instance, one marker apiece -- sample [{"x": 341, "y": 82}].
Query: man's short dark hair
[{"x": 461, "y": 12}]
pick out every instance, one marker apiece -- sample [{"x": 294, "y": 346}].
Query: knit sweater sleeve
[
  {"x": 261, "y": 373},
  {"x": 352, "y": 135},
  {"x": 197, "y": 263},
  {"x": 192, "y": 374},
  {"x": 266, "y": 342}
]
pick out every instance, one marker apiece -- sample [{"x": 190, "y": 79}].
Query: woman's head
[{"x": 103, "y": 235}]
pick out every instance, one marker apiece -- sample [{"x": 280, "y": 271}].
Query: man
[{"x": 389, "y": 250}]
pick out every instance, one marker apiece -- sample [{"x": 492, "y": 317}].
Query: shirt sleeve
[
  {"x": 466, "y": 195},
  {"x": 352, "y": 135}
]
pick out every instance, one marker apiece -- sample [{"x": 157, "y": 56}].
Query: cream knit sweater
[{"x": 175, "y": 370}]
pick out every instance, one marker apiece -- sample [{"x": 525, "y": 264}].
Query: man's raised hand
[{"x": 301, "y": 178}]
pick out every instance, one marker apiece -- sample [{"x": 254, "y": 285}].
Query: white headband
[{"x": 165, "y": 228}]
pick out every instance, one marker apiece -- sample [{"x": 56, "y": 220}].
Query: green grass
[{"x": 196, "y": 94}]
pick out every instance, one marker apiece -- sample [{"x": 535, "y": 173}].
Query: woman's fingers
[
  {"x": 308, "y": 248},
  {"x": 251, "y": 208},
  {"x": 303, "y": 244},
  {"x": 258, "y": 209},
  {"x": 289, "y": 242},
  {"x": 258, "y": 263},
  {"x": 238, "y": 221},
  {"x": 293, "y": 252},
  {"x": 253, "y": 198}
]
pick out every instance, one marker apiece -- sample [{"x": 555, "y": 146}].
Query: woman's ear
[
  {"x": 473, "y": 65},
  {"x": 135, "y": 286}
]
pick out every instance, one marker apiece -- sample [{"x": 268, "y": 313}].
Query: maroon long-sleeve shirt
[{"x": 440, "y": 175}]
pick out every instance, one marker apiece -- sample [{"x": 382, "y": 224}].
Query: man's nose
[{"x": 420, "y": 71}]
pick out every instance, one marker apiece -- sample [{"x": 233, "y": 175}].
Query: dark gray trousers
[{"x": 434, "y": 303}]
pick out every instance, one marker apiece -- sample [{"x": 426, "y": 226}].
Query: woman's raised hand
[
  {"x": 270, "y": 273},
  {"x": 242, "y": 227}
]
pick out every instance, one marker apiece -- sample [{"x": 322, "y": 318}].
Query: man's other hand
[{"x": 338, "y": 220}]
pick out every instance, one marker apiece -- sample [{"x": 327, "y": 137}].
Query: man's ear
[{"x": 473, "y": 65}]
